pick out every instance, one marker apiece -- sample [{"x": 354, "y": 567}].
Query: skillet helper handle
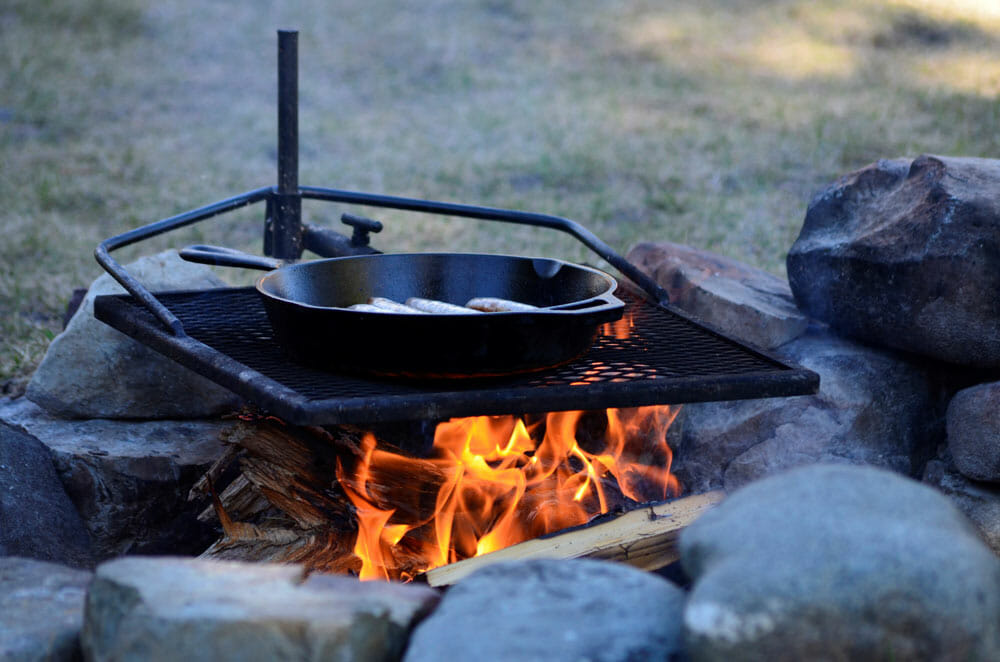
[
  {"x": 221, "y": 256},
  {"x": 608, "y": 301}
]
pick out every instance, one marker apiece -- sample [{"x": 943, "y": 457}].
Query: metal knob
[{"x": 362, "y": 226}]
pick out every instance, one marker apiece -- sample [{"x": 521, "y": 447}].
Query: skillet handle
[
  {"x": 227, "y": 257},
  {"x": 602, "y": 301}
]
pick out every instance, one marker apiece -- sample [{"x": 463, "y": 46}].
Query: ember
[{"x": 491, "y": 482}]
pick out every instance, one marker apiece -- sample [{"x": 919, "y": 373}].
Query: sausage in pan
[
  {"x": 495, "y": 305},
  {"x": 440, "y": 307},
  {"x": 393, "y": 306}
]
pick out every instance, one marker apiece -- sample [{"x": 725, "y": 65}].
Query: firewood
[
  {"x": 242, "y": 501},
  {"x": 200, "y": 488},
  {"x": 645, "y": 538},
  {"x": 285, "y": 505}
]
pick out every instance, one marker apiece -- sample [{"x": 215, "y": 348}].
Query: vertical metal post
[{"x": 283, "y": 228}]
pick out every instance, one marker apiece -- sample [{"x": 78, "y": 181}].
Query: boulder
[
  {"x": 42, "y": 608},
  {"x": 37, "y": 518},
  {"x": 833, "y": 562},
  {"x": 93, "y": 371},
  {"x": 873, "y": 407},
  {"x": 553, "y": 610},
  {"x": 160, "y": 608},
  {"x": 907, "y": 255},
  {"x": 974, "y": 431},
  {"x": 746, "y": 303},
  {"x": 979, "y": 501},
  {"x": 128, "y": 480}
]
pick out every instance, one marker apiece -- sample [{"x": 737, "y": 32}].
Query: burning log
[
  {"x": 339, "y": 499},
  {"x": 645, "y": 538}
]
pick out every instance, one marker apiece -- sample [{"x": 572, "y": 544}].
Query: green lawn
[{"x": 706, "y": 122}]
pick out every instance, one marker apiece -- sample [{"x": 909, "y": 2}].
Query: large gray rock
[
  {"x": 93, "y": 371},
  {"x": 128, "y": 480},
  {"x": 873, "y": 407},
  {"x": 833, "y": 562},
  {"x": 979, "y": 501},
  {"x": 551, "y": 610},
  {"x": 188, "y": 609},
  {"x": 41, "y": 610},
  {"x": 974, "y": 431},
  {"x": 37, "y": 519},
  {"x": 907, "y": 255},
  {"x": 747, "y": 303}
]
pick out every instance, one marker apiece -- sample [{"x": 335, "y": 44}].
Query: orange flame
[
  {"x": 621, "y": 328},
  {"x": 495, "y": 484}
]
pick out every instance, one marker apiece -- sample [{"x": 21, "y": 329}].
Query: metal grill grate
[{"x": 654, "y": 355}]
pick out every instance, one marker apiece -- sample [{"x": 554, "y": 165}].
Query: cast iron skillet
[{"x": 307, "y": 302}]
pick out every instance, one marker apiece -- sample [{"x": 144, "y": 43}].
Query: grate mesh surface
[
  {"x": 652, "y": 355},
  {"x": 651, "y": 343}
]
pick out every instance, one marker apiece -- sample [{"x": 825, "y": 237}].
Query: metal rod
[
  {"x": 283, "y": 230},
  {"x": 574, "y": 229},
  {"x": 288, "y": 112}
]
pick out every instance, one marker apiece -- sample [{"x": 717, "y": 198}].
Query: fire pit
[{"x": 526, "y": 477}]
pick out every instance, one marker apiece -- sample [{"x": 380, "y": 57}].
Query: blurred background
[{"x": 705, "y": 122}]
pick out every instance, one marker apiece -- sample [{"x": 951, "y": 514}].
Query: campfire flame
[
  {"x": 620, "y": 329},
  {"x": 493, "y": 481}
]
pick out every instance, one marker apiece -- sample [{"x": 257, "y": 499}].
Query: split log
[
  {"x": 284, "y": 505},
  {"x": 645, "y": 538}
]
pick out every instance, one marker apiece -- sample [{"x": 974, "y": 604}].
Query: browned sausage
[
  {"x": 495, "y": 305},
  {"x": 440, "y": 307}
]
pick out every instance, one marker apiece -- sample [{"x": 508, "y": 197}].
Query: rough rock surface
[
  {"x": 907, "y": 255},
  {"x": 979, "y": 501},
  {"x": 873, "y": 407},
  {"x": 188, "y": 609},
  {"x": 128, "y": 480},
  {"x": 41, "y": 610},
  {"x": 93, "y": 371},
  {"x": 553, "y": 610},
  {"x": 746, "y": 303},
  {"x": 974, "y": 431},
  {"x": 37, "y": 518},
  {"x": 833, "y": 562}
]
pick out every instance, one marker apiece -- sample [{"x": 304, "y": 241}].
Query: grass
[{"x": 706, "y": 122}]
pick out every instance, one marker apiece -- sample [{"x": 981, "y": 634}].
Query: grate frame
[{"x": 666, "y": 358}]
